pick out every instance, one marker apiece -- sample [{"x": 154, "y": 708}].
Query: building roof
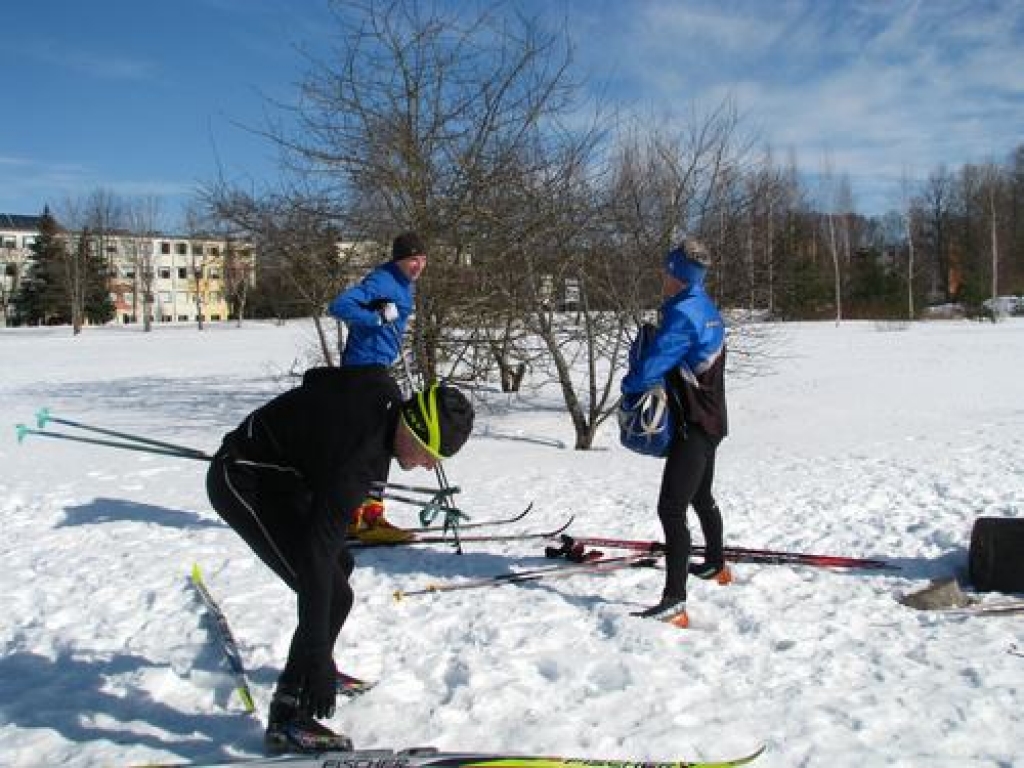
[{"x": 17, "y": 221}]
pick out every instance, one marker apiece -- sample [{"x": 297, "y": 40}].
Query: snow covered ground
[{"x": 864, "y": 441}]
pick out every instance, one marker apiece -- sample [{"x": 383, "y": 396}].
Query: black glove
[
  {"x": 319, "y": 688},
  {"x": 386, "y": 309}
]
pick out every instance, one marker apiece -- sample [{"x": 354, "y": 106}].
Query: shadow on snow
[{"x": 102, "y": 510}]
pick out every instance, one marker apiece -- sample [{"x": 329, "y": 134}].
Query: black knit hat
[
  {"x": 406, "y": 245},
  {"x": 440, "y": 417}
]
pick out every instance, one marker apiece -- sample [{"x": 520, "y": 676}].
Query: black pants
[
  {"x": 687, "y": 479},
  {"x": 269, "y": 509}
]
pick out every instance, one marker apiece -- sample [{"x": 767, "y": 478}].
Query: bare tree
[
  {"x": 417, "y": 115},
  {"x": 830, "y": 197},
  {"x": 141, "y": 217},
  {"x": 297, "y": 243}
]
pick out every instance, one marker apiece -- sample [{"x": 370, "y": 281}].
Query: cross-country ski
[{"x": 432, "y": 758}]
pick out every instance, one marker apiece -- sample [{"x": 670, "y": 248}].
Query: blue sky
[{"x": 152, "y": 98}]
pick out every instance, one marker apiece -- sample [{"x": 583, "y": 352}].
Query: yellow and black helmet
[{"x": 440, "y": 417}]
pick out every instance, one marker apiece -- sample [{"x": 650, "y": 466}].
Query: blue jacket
[
  {"x": 370, "y": 341},
  {"x": 687, "y": 356}
]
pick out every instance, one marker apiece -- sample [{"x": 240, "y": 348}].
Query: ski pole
[
  {"x": 452, "y": 516},
  {"x": 43, "y": 416},
  {"x": 23, "y": 431}
]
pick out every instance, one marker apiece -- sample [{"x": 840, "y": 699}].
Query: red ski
[{"x": 735, "y": 554}]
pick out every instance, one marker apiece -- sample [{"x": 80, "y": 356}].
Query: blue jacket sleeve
[
  {"x": 674, "y": 339},
  {"x": 351, "y": 305}
]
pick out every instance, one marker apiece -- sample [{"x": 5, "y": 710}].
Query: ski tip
[
  {"x": 21, "y": 430},
  {"x": 247, "y": 701},
  {"x": 749, "y": 758},
  {"x": 197, "y": 574},
  {"x": 42, "y": 416},
  {"x": 398, "y": 595},
  {"x": 745, "y": 760}
]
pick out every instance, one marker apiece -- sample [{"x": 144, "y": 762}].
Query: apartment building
[
  {"x": 17, "y": 234},
  {"x": 183, "y": 277}
]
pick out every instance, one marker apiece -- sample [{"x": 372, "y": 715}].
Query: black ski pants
[
  {"x": 687, "y": 479},
  {"x": 269, "y": 509}
]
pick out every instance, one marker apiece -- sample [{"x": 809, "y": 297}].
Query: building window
[
  {"x": 197, "y": 250},
  {"x": 165, "y": 297},
  {"x": 165, "y": 247},
  {"x": 10, "y": 242},
  {"x": 183, "y": 318},
  {"x": 182, "y": 273},
  {"x": 165, "y": 273},
  {"x": 10, "y": 270},
  {"x": 214, "y": 274},
  {"x": 181, "y": 249}
]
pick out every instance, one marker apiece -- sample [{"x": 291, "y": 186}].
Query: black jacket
[{"x": 333, "y": 436}]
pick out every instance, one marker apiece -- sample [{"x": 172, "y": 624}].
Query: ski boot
[
  {"x": 369, "y": 525},
  {"x": 720, "y": 573},
  {"x": 289, "y": 729},
  {"x": 671, "y": 610}
]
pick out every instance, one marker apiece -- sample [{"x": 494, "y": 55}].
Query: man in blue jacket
[
  {"x": 376, "y": 312},
  {"x": 686, "y": 359}
]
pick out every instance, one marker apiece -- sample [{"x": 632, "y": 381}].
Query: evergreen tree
[
  {"x": 43, "y": 297},
  {"x": 98, "y": 306}
]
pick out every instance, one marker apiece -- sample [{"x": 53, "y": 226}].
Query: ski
[
  {"x": 1001, "y": 608},
  {"x": 426, "y": 538},
  {"x": 426, "y": 757},
  {"x": 735, "y": 554},
  {"x": 590, "y": 567},
  {"x": 490, "y": 523},
  {"x": 227, "y": 640},
  {"x": 495, "y": 522}
]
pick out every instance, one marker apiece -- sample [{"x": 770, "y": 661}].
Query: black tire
[{"x": 996, "y": 559}]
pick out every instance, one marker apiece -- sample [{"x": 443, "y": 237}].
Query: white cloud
[{"x": 878, "y": 86}]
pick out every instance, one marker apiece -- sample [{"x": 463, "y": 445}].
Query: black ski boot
[
  {"x": 289, "y": 729},
  {"x": 671, "y": 610},
  {"x": 718, "y": 572}
]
